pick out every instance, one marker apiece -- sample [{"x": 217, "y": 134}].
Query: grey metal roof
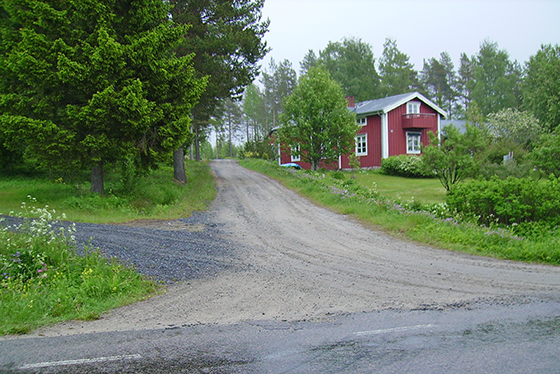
[
  {"x": 387, "y": 104},
  {"x": 460, "y": 124}
]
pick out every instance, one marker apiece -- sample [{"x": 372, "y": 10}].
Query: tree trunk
[
  {"x": 179, "y": 165},
  {"x": 229, "y": 128},
  {"x": 196, "y": 146},
  {"x": 314, "y": 165},
  {"x": 97, "y": 178},
  {"x": 217, "y": 147}
]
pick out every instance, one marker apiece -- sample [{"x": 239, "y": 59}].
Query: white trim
[
  {"x": 292, "y": 157},
  {"x": 366, "y": 146},
  {"x": 439, "y": 127},
  {"x": 279, "y": 155},
  {"x": 339, "y": 162},
  {"x": 416, "y": 134},
  {"x": 412, "y": 105},
  {"x": 359, "y": 121},
  {"x": 384, "y": 136},
  {"x": 412, "y": 96}
]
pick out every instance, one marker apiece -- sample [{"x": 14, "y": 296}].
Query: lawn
[
  {"x": 152, "y": 196},
  {"x": 425, "y": 191}
]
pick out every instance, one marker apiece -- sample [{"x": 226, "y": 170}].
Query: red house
[{"x": 390, "y": 126}]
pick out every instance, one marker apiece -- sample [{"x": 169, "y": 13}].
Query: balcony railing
[{"x": 419, "y": 120}]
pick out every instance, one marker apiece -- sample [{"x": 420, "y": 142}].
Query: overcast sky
[{"x": 422, "y": 29}]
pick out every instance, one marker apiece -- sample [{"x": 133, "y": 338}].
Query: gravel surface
[
  {"x": 264, "y": 253},
  {"x": 167, "y": 251}
]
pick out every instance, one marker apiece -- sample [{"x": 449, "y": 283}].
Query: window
[
  {"x": 362, "y": 121},
  {"x": 361, "y": 145},
  {"x": 295, "y": 157},
  {"x": 413, "y": 142},
  {"x": 413, "y": 107}
]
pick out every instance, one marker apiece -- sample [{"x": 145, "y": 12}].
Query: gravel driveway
[
  {"x": 168, "y": 251},
  {"x": 263, "y": 252}
]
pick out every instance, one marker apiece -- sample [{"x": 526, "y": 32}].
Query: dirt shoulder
[{"x": 297, "y": 261}]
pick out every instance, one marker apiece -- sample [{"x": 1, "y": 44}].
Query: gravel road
[{"x": 263, "y": 252}]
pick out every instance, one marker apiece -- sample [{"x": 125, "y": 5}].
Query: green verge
[
  {"x": 353, "y": 193},
  {"x": 45, "y": 279},
  {"x": 152, "y": 196}
]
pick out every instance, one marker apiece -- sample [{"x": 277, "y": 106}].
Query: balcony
[{"x": 418, "y": 120}]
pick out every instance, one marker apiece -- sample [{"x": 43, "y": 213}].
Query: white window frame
[
  {"x": 413, "y": 107},
  {"x": 361, "y": 145},
  {"x": 292, "y": 157},
  {"x": 362, "y": 121},
  {"x": 413, "y": 142}
]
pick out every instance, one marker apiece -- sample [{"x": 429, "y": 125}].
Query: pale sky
[{"x": 422, "y": 28}]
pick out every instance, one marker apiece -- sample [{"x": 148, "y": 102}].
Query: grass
[
  {"x": 154, "y": 196},
  {"x": 45, "y": 279},
  {"x": 370, "y": 198},
  {"x": 424, "y": 190}
]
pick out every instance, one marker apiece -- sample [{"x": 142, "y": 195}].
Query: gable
[{"x": 387, "y": 104}]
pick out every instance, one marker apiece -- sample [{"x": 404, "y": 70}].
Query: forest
[{"x": 484, "y": 86}]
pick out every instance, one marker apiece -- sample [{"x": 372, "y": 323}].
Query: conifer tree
[{"x": 85, "y": 83}]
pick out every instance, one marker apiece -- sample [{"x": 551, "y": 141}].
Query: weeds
[{"x": 44, "y": 280}]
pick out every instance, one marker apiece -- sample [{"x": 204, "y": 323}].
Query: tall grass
[
  {"x": 426, "y": 223},
  {"x": 44, "y": 280}
]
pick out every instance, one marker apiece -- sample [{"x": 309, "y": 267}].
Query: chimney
[{"x": 351, "y": 103}]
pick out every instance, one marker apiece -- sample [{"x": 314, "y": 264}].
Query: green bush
[
  {"x": 511, "y": 201},
  {"x": 337, "y": 174},
  {"x": 259, "y": 149},
  {"x": 509, "y": 169},
  {"x": 405, "y": 166}
]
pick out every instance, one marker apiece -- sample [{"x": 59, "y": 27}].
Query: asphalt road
[{"x": 479, "y": 339}]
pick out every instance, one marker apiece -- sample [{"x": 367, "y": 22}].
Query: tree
[
  {"x": 316, "y": 122},
  {"x": 450, "y": 159},
  {"x": 464, "y": 84},
  {"x": 439, "y": 79},
  {"x": 227, "y": 40},
  {"x": 255, "y": 113},
  {"x": 546, "y": 155},
  {"x": 495, "y": 79},
  {"x": 228, "y": 123},
  {"x": 397, "y": 73},
  {"x": 522, "y": 128},
  {"x": 352, "y": 65},
  {"x": 541, "y": 86},
  {"x": 278, "y": 81},
  {"x": 309, "y": 60},
  {"x": 87, "y": 83}
]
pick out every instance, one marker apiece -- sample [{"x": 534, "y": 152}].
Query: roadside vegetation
[
  {"x": 433, "y": 220},
  {"x": 46, "y": 277},
  {"x": 152, "y": 195}
]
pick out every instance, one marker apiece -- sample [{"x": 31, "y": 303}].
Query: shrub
[
  {"x": 511, "y": 201},
  {"x": 258, "y": 149},
  {"x": 405, "y": 166},
  {"x": 509, "y": 169},
  {"x": 337, "y": 174}
]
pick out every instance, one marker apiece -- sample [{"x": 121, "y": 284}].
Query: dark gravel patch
[{"x": 190, "y": 248}]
